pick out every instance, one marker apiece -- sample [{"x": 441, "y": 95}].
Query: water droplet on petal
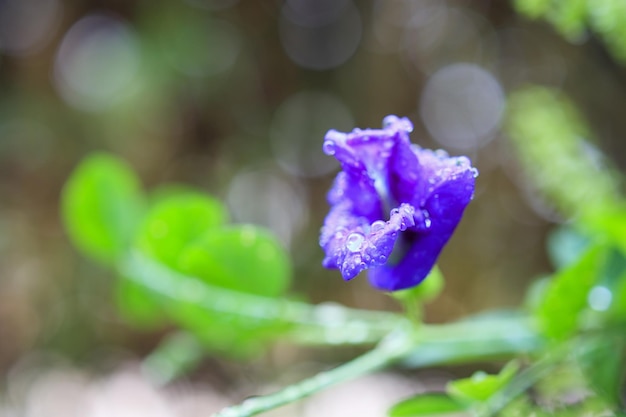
[
  {"x": 328, "y": 147},
  {"x": 474, "y": 172},
  {"x": 382, "y": 258},
  {"x": 354, "y": 242},
  {"x": 377, "y": 226},
  {"x": 427, "y": 223},
  {"x": 389, "y": 120},
  {"x": 441, "y": 154}
]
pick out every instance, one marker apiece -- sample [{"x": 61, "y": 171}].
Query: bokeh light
[
  {"x": 438, "y": 36},
  {"x": 462, "y": 105},
  {"x": 320, "y": 35},
  {"x": 26, "y": 26},
  {"x": 97, "y": 62},
  {"x": 298, "y": 124},
  {"x": 267, "y": 198}
]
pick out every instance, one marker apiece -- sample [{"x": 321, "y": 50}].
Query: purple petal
[
  {"x": 352, "y": 244},
  {"x": 382, "y": 169},
  {"x": 445, "y": 207}
]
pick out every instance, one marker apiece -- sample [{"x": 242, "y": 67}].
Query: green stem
[
  {"x": 323, "y": 324},
  {"x": 412, "y": 347},
  {"x": 392, "y": 348}
]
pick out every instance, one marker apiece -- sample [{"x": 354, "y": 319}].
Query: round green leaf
[
  {"x": 241, "y": 258},
  {"x": 178, "y": 215},
  {"x": 102, "y": 203},
  {"x": 175, "y": 221}
]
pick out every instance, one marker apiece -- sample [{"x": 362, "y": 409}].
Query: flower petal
[
  {"x": 352, "y": 244},
  {"x": 382, "y": 169},
  {"x": 445, "y": 206}
]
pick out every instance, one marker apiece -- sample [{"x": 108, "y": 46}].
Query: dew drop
[
  {"x": 441, "y": 154},
  {"x": 377, "y": 226},
  {"x": 340, "y": 232},
  {"x": 474, "y": 172},
  {"x": 427, "y": 223},
  {"x": 354, "y": 242},
  {"x": 328, "y": 147},
  {"x": 382, "y": 258},
  {"x": 462, "y": 161},
  {"x": 389, "y": 120}
]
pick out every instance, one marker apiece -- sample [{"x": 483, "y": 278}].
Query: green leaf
[
  {"x": 609, "y": 223},
  {"x": 102, "y": 203},
  {"x": 426, "y": 405},
  {"x": 178, "y": 216},
  {"x": 559, "y": 312},
  {"x": 241, "y": 258},
  {"x": 175, "y": 220},
  {"x": 233, "y": 323},
  {"x": 137, "y": 306},
  {"x": 604, "y": 367},
  {"x": 618, "y": 305},
  {"x": 481, "y": 386}
]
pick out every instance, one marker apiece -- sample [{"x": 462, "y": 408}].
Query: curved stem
[
  {"x": 323, "y": 324},
  {"x": 395, "y": 346},
  {"x": 412, "y": 347}
]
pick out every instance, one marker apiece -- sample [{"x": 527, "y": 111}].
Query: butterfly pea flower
[{"x": 394, "y": 205}]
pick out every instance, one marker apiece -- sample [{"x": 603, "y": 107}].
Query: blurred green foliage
[
  {"x": 551, "y": 141},
  {"x": 183, "y": 230},
  {"x": 102, "y": 206},
  {"x": 426, "y": 405},
  {"x": 481, "y": 386},
  {"x": 581, "y": 306},
  {"x": 573, "y": 18}
]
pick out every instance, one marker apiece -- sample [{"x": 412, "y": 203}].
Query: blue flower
[{"x": 393, "y": 206}]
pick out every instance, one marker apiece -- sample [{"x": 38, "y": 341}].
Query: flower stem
[
  {"x": 412, "y": 347},
  {"x": 323, "y": 324},
  {"x": 392, "y": 348}
]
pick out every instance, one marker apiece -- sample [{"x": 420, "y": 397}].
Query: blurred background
[{"x": 234, "y": 97}]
